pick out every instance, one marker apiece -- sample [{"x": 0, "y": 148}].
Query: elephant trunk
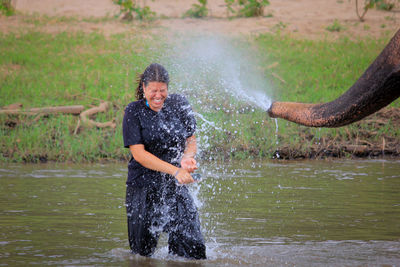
[{"x": 375, "y": 89}]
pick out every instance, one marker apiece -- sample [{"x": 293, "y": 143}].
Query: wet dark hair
[{"x": 153, "y": 73}]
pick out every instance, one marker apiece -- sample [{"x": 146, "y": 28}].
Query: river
[{"x": 263, "y": 213}]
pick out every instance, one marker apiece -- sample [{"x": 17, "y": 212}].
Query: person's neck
[{"x": 153, "y": 109}]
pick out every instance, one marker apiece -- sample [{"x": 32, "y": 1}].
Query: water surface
[{"x": 276, "y": 213}]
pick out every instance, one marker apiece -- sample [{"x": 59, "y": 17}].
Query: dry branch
[
  {"x": 273, "y": 65},
  {"x": 278, "y": 77},
  {"x": 78, "y": 125},
  {"x": 84, "y": 117},
  {"x": 13, "y": 106},
  {"x": 76, "y": 110}
]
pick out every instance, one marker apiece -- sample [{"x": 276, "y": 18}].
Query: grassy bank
[
  {"x": 300, "y": 71},
  {"x": 39, "y": 69},
  {"x": 320, "y": 71}
]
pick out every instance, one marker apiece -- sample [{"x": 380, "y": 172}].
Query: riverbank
[{"x": 55, "y": 61}]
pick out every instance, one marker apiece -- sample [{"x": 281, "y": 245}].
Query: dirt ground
[{"x": 302, "y": 18}]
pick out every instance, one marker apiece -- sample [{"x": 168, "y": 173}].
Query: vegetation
[
  {"x": 130, "y": 7},
  {"x": 386, "y": 5},
  {"x": 197, "y": 10},
  {"x": 335, "y": 26},
  {"x": 242, "y": 8},
  {"x": 252, "y": 8},
  {"x": 247, "y": 8},
  {"x": 279, "y": 26},
  {"x": 319, "y": 71},
  {"x": 39, "y": 69},
  {"x": 6, "y": 8},
  {"x": 369, "y": 4},
  {"x": 229, "y": 7}
]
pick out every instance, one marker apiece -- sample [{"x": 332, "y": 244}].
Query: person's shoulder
[
  {"x": 133, "y": 106},
  {"x": 179, "y": 102}
]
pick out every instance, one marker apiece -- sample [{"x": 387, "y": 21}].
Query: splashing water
[
  {"x": 210, "y": 123},
  {"x": 222, "y": 80},
  {"x": 276, "y": 130},
  {"x": 215, "y": 70}
]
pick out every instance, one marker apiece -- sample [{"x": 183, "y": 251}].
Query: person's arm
[
  {"x": 188, "y": 162},
  {"x": 148, "y": 160}
]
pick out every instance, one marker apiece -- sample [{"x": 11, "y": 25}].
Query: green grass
[
  {"x": 56, "y": 69},
  {"x": 39, "y": 69},
  {"x": 313, "y": 72},
  {"x": 335, "y": 27},
  {"x": 317, "y": 71}
]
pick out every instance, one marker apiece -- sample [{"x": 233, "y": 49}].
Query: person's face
[{"x": 155, "y": 94}]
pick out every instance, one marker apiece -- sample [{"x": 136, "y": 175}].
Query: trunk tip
[{"x": 270, "y": 111}]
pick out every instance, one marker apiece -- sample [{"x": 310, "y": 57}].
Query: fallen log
[
  {"x": 75, "y": 110},
  {"x": 13, "y": 106},
  {"x": 86, "y": 121},
  {"x": 356, "y": 149},
  {"x": 84, "y": 116}
]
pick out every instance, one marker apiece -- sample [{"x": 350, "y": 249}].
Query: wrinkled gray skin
[{"x": 376, "y": 88}]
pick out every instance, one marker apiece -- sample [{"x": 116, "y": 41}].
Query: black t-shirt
[{"x": 162, "y": 133}]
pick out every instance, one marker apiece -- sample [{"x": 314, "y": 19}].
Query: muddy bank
[
  {"x": 359, "y": 142},
  {"x": 372, "y": 137}
]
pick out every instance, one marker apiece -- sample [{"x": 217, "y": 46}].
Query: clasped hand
[{"x": 188, "y": 165}]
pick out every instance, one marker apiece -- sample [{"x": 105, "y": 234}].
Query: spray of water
[
  {"x": 218, "y": 75},
  {"x": 215, "y": 70},
  {"x": 209, "y": 123}
]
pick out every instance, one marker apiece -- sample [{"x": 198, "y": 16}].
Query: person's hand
[
  {"x": 189, "y": 164},
  {"x": 184, "y": 177}
]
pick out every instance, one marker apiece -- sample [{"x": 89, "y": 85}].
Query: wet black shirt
[{"x": 162, "y": 133}]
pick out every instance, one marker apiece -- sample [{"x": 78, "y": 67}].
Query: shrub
[
  {"x": 385, "y": 5},
  {"x": 197, "y": 10},
  {"x": 6, "y": 8},
  {"x": 145, "y": 13},
  {"x": 246, "y": 8},
  {"x": 252, "y": 8},
  {"x": 335, "y": 27},
  {"x": 368, "y": 4},
  {"x": 229, "y": 7},
  {"x": 128, "y": 7}
]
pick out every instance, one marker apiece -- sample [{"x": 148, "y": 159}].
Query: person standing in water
[{"x": 159, "y": 131}]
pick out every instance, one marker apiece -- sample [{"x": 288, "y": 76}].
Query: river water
[{"x": 269, "y": 213}]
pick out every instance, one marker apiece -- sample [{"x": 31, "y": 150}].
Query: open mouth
[{"x": 158, "y": 101}]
